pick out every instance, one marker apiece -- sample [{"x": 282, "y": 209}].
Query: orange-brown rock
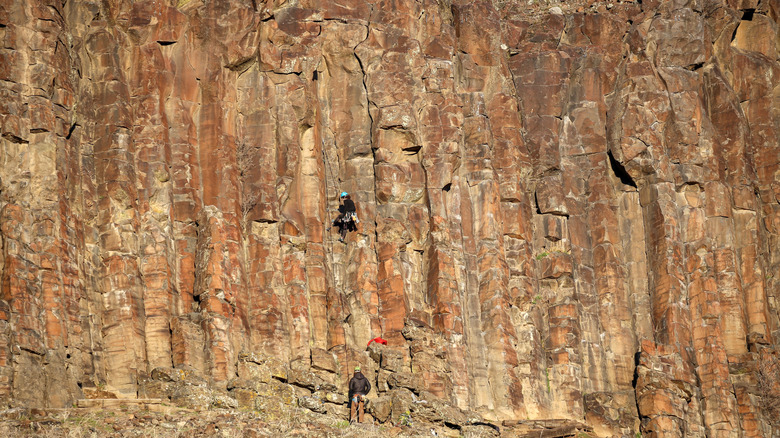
[{"x": 568, "y": 210}]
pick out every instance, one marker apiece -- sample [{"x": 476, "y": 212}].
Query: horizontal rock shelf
[{"x": 100, "y": 403}]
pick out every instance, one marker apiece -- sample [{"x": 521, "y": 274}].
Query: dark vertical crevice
[
  {"x": 70, "y": 131},
  {"x": 536, "y": 204},
  {"x": 620, "y": 171},
  {"x": 634, "y": 382}
]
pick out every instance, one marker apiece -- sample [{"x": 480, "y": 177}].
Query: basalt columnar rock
[{"x": 568, "y": 210}]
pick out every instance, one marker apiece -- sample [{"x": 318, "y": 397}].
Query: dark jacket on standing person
[{"x": 359, "y": 385}]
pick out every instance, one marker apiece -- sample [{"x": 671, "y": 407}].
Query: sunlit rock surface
[{"x": 568, "y": 210}]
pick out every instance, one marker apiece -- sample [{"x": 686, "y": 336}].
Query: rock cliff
[{"x": 568, "y": 210}]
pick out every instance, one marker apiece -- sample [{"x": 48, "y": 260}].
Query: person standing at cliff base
[{"x": 359, "y": 387}]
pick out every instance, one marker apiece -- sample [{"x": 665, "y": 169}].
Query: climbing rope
[{"x": 329, "y": 170}]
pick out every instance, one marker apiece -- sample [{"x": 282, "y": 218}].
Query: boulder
[
  {"x": 381, "y": 407},
  {"x": 312, "y": 403},
  {"x": 221, "y": 401},
  {"x": 192, "y": 397}
]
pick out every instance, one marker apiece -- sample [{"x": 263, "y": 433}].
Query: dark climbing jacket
[
  {"x": 347, "y": 207},
  {"x": 347, "y": 216},
  {"x": 359, "y": 385}
]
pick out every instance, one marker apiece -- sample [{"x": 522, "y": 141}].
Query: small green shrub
[{"x": 547, "y": 377}]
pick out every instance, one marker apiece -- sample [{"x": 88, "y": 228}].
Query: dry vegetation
[
  {"x": 181, "y": 423},
  {"x": 244, "y": 156},
  {"x": 769, "y": 386}
]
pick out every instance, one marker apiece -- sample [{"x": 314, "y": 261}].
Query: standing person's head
[{"x": 357, "y": 369}]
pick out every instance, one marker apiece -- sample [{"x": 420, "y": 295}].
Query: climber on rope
[
  {"x": 359, "y": 387},
  {"x": 347, "y": 219}
]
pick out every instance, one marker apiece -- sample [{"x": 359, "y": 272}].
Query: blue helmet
[{"x": 343, "y": 194}]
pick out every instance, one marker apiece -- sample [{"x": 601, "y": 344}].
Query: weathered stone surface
[
  {"x": 220, "y": 401},
  {"x": 568, "y": 210},
  {"x": 260, "y": 368},
  {"x": 312, "y": 404},
  {"x": 192, "y": 397},
  {"x": 380, "y": 408}
]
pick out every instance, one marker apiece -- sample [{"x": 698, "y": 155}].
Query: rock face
[{"x": 567, "y": 212}]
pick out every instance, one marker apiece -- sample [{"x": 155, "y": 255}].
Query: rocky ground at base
[
  {"x": 270, "y": 398},
  {"x": 181, "y": 423},
  {"x": 169, "y": 421}
]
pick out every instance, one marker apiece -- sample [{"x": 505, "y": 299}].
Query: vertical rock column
[
  {"x": 215, "y": 293},
  {"x": 441, "y": 118},
  {"x": 85, "y": 205},
  {"x": 390, "y": 82},
  {"x": 117, "y": 221},
  {"x": 257, "y": 159},
  {"x": 667, "y": 399},
  {"x": 731, "y": 165},
  {"x": 27, "y": 211},
  {"x": 40, "y": 330},
  {"x": 293, "y": 242},
  {"x": 76, "y": 277},
  {"x": 715, "y": 304},
  {"x": 492, "y": 282},
  {"x": 220, "y": 282},
  {"x": 298, "y": 172},
  {"x": 151, "y": 86},
  {"x": 594, "y": 41},
  {"x": 541, "y": 76},
  {"x": 313, "y": 206},
  {"x": 270, "y": 309},
  {"x": 512, "y": 166},
  {"x": 304, "y": 206},
  {"x": 346, "y": 134},
  {"x": 637, "y": 147},
  {"x": 482, "y": 79},
  {"x": 750, "y": 59},
  {"x": 78, "y": 348},
  {"x": 181, "y": 109}
]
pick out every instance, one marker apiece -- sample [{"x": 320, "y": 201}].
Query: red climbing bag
[{"x": 378, "y": 340}]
